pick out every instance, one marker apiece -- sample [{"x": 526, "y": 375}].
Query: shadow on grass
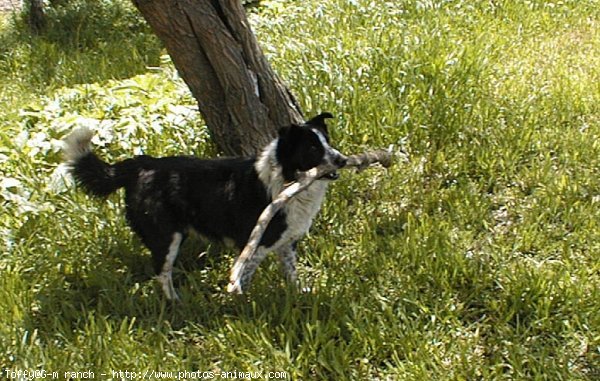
[
  {"x": 120, "y": 285},
  {"x": 84, "y": 42}
]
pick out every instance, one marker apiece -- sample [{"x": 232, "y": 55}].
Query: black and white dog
[{"x": 219, "y": 198}]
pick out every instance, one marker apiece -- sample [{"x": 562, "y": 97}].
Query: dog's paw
[
  {"x": 172, "y": 296},
  {"x": 167, "y": 287}
]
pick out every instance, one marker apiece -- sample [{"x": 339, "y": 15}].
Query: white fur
[
  {"x": 77, "y": 144},
  {"x": 166, "y": 276},
  {"x": 330, "y": 152},
  {"x": 269, "y": 171}
]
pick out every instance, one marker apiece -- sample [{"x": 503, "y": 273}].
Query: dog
[{"x": 220, "y": 199}]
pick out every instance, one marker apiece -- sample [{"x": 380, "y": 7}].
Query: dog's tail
[{"x": 97, "y": 177}]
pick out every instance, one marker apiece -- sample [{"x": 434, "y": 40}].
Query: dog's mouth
[{"x": 330, "y": 176}]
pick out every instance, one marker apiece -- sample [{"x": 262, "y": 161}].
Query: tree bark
[
  {"x": 216, "y": 53},
  {"x": 37, "y": 16}
]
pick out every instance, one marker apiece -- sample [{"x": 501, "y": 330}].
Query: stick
[{"x": 360, "y": 162}]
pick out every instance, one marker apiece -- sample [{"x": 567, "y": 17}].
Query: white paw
[{"x": 166, "y": 283}]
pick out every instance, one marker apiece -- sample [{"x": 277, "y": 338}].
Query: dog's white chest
[{"x": 303, "y": 208}]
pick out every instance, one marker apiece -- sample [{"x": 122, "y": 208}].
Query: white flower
[{"x": 9, "y": 182}]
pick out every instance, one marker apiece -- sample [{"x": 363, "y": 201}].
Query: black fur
[{"x": 221, "y": 199}]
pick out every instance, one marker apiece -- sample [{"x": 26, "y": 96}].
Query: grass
[{"x": 475, "y": 257}]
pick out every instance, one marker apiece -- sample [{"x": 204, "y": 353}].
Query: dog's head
[{"x": 302, "y": 147}]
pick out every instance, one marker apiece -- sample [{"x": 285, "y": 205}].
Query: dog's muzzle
[{"x": 339, "y": 161}]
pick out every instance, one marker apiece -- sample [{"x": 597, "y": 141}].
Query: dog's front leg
[{"x": 287, "y": 260}]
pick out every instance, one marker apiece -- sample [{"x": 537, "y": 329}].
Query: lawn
[{"x": 475, "y": 257}]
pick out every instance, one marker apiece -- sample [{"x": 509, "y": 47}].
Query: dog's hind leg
[
  {"x": 287, "y": 259},
  {"x": 165, "y": 270}
]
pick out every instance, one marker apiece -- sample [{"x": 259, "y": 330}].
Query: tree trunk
[
  {"x": 212, "y": 46},
  {"x": 37, "y": 16}
]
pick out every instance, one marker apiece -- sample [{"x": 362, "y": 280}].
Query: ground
[{"x": 9, "y": 5}]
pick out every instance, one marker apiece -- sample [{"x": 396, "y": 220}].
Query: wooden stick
[{"x": 360, "y": 162}]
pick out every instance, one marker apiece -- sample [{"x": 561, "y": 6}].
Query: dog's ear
[{"x": 319, "y": 120}]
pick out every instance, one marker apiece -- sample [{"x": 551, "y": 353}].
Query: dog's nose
[{"x": 341, "y": 161}]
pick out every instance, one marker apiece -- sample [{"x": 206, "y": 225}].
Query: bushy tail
[{"x": 97, "y": 177}]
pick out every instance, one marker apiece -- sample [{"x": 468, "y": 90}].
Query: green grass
[{"x": 475, "y": 258}]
